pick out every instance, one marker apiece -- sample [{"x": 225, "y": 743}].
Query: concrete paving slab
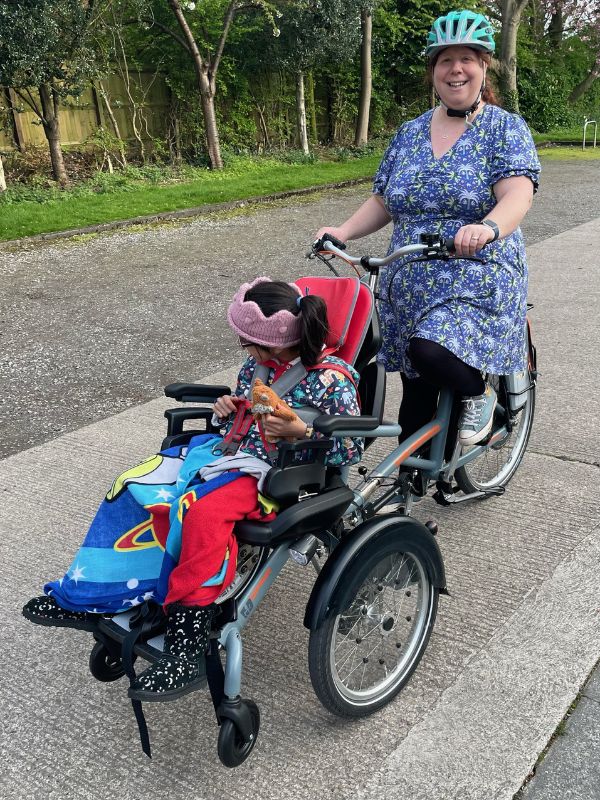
[
  {"x": 487, "y": 729},
  {"x": 571, "y": 769}
]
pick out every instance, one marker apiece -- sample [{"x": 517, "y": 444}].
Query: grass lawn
[
  {"x": 564, "y": 153},
  {"x": 79, "y": 208},
  {"x": 122, "y": 197}
]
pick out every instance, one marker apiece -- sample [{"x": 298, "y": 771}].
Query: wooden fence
[{"x": 139, "y": 101}]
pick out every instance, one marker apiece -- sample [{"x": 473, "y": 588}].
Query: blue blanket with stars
[{"x": 134, "y": 540}]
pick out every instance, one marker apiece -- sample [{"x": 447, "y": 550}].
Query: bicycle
[{"x": 474, "y": 472}]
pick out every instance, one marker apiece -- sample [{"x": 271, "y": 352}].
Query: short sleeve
[
  {"x": 384, "y": 170},
  {"x": 514, "y": 152}
]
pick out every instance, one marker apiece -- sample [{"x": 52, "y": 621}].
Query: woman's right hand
[
  {"x": 339, "y": 233},
  {"x": 225, "y": 405}
]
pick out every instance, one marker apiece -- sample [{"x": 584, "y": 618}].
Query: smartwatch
[{"x": 491, "y": 224}]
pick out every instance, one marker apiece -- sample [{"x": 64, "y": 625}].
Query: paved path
[{"x": 512, "y": 646}]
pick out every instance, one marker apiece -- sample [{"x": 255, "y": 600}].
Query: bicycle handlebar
[{"x": 430, "y": 247}]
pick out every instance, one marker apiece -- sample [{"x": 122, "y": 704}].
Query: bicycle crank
[{"x": 449, "y": 498}]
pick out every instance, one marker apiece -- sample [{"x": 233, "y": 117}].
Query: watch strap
[{"x": 491, "y": 224}]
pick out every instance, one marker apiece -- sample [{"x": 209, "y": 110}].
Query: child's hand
[
  {"x": 225, "y": 405},
  {"x": 276, "y": 428}
]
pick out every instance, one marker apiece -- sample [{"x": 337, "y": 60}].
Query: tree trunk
[
  {"x": 586, "y": 83},
  {"x": 113, "y": 121},
  {"x": 364, "y": 105},
  {"x": 2, "y": 178},
  {"x": 556, "y": 27},
  {"x": 206, "y": 83},
  {"x": 312, "y": 109},
  {"x": 210, "y": 126},
  {"x": 507, "y": 59},
  {"x": 50, "y": 122},
  {"x": 301, "y": 114}
]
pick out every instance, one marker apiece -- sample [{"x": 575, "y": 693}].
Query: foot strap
[{"x": 144, "y": 622}]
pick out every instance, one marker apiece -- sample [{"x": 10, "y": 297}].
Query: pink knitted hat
[{"x": 282, "y": 329}]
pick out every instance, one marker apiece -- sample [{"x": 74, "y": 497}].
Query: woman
[{"x": 466, "y": 169}]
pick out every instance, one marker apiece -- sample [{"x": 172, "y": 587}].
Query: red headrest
[{"x": 349, "y": 310}]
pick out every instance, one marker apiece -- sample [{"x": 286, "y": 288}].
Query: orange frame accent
[{"x": 425, "y": 437}]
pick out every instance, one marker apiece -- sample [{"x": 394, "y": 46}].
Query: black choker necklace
[{"x": 454, "y": 112}]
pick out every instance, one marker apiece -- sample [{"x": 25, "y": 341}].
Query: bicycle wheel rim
[
  {"x": 363, "y": 683},
  {"x": 497, "y": 465}
]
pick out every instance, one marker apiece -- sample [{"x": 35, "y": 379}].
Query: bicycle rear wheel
[{"x": 497, "y": 465}]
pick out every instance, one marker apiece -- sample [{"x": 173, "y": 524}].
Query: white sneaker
[{"x": 477, "y": 417}]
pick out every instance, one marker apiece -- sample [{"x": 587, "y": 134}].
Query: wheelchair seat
[{"x": 311, "y": 495}]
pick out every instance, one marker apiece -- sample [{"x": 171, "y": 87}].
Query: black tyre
[
  {"x": 361, "y": 658},
  {"x": 497, "y": 465},
  {"x": 232, "y": 749},
  {"x": 104, "y": 666}
]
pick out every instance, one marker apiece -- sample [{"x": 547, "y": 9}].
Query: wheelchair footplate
[{"x": 117, "y": 628}]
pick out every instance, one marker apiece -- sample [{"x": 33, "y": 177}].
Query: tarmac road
[
  {"x": 512, "y": 645},
  {"x": 89, "y": 328}
]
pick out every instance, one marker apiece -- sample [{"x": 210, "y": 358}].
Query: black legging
[{"x": 438, "y": 368}]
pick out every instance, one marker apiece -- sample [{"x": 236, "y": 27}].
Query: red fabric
[
  {"x": 349, "y": 310},
  {"x": 206, "y": 534}
]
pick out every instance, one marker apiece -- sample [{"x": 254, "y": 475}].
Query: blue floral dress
[{"x": 476, "y": 310}]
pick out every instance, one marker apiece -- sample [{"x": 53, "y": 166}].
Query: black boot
[
  {"x": 181, "y": 668},
  {"x": 46, "y": 611}
]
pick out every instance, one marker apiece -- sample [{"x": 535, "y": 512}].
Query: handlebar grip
[
  {"x": 327, "y": 237},
  {"x": 449, "y": 244}
]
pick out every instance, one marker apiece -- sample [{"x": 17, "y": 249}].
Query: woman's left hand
[
  {"x": 469, "y": 239},
  {"x": 276, "y": 428}
]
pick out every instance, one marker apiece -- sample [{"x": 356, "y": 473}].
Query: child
[{"x": 212, "y": 483}]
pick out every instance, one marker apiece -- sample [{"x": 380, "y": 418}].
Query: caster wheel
[
  {"x": 231, "y": 747},
  {"x": 104, "y": 666}
]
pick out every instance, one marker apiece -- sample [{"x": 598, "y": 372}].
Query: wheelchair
[{"x": 373, "y": 605}]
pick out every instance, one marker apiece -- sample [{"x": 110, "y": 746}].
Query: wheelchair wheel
[
  {"x": 104, "y": 666},
  {"x": 497, "y": 465},
  {"x": 232, "y": 749},
  {"x": 361, "y": 658}
]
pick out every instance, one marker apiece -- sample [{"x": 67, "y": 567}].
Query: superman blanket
[{"x": 134, "y": 540}]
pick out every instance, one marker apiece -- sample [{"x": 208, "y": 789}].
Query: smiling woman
[{"x": 467, "y": 170}]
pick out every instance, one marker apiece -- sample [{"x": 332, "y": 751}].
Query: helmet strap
[{"x": 466, "y": 113}]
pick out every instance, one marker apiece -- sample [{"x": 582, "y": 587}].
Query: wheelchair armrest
[
  {"x": 317, "y": 447},
  {"x": 330, "y": 423},
  {"x": 177, "y": 416},
  {"x": 195, "y": 392},
  {"x": 289, "y": 477}
]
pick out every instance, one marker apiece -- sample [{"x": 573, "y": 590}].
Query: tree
[
  {"x": 313, "y": 32},
  {"x": 508, "y": 13},
  {"x": 366, "y": 77},
  {"x": 45, "y": 57},
  {"x": 211, "y": 24}
]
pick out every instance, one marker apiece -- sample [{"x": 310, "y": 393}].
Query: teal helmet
[{"x": 466, "y": 28}]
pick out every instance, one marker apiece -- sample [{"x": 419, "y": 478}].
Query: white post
[{"x": 2, "y": 178}]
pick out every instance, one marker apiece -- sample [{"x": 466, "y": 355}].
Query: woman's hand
[
  {"x": 225, "y": 405},
  {"x": 338, "y": 233},
  {"x": 276, "y": 428},
  {"x": 469, "y": 239}
]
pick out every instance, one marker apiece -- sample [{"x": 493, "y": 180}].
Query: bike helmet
[{"x": 466, "y": 28}]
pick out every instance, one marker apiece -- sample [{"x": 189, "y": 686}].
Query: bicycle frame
[{"x": 435, "y": 467}]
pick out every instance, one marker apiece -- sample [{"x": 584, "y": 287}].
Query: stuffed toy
[{"x": 265, "y": 401}]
